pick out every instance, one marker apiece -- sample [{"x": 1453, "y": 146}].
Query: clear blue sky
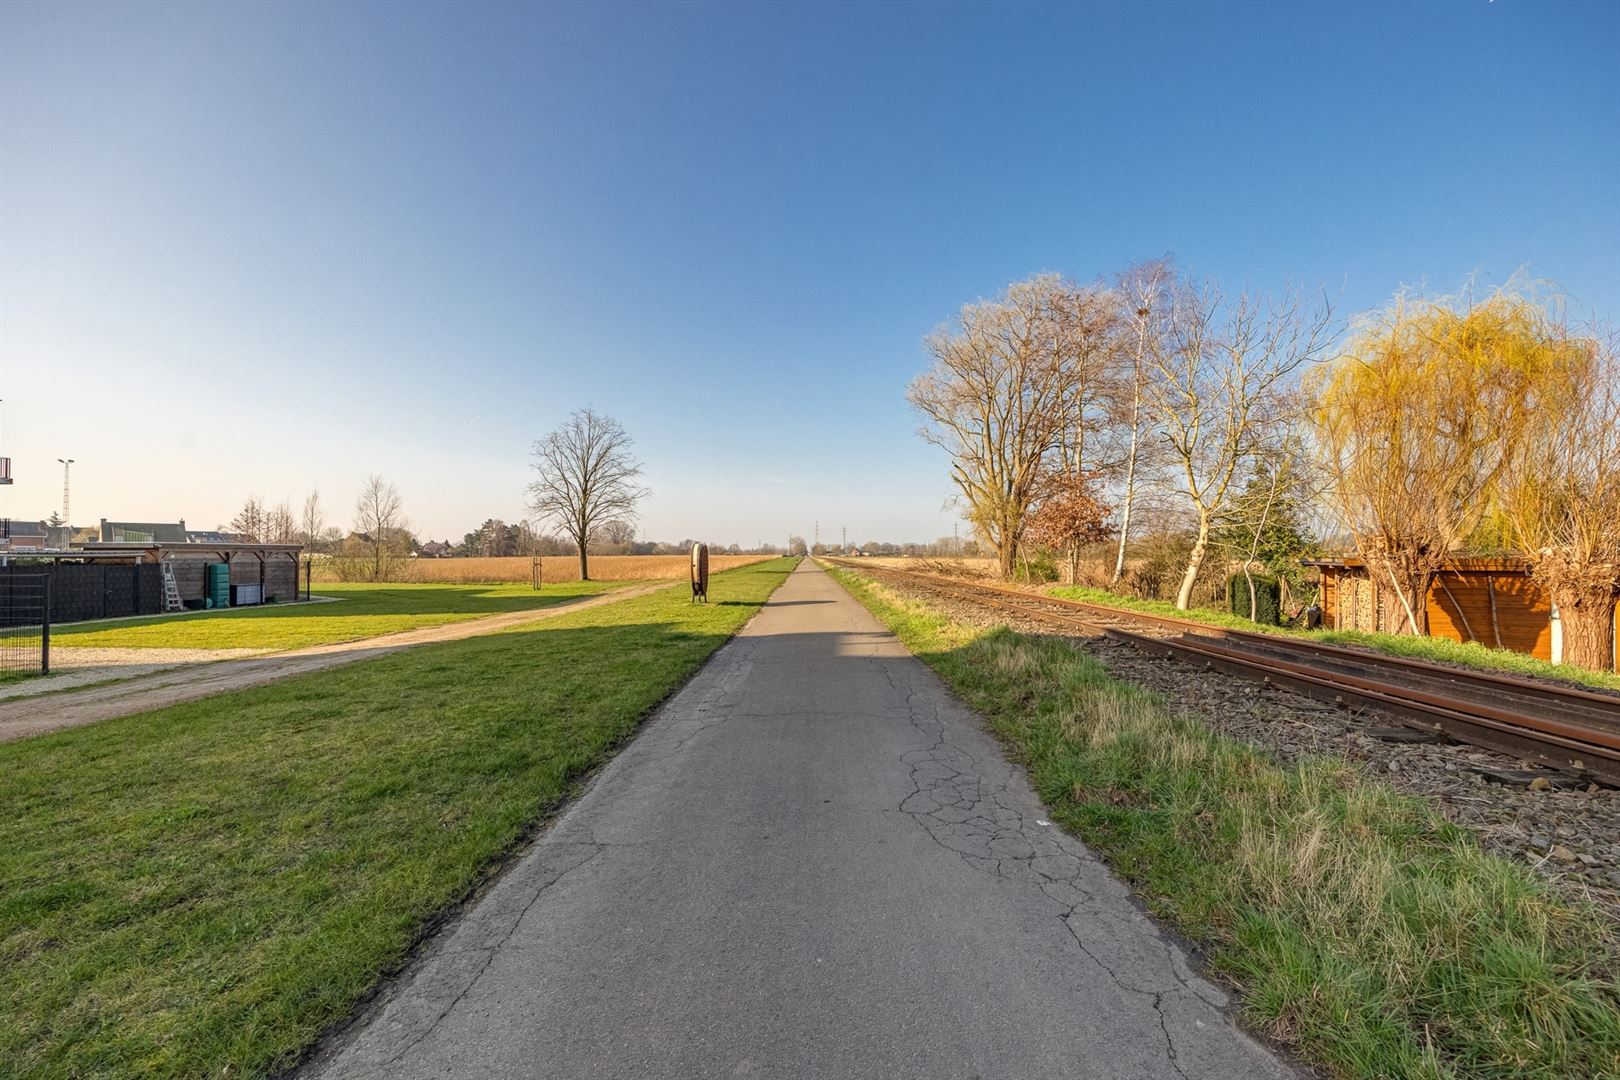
[{"x": 275, "y": 247}]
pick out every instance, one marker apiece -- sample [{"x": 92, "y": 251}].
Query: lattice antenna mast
[{"x": 67, "y": 518}]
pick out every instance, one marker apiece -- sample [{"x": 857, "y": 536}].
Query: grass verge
[
  {"x": 361, "y": 611},
  {"x": 201, "y": 890},
  {"x": 1363, "y": 929},
  {"x": 1439, "y": 650}
]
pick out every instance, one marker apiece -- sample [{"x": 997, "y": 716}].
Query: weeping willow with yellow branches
[{"x": 1419, "y": 417}]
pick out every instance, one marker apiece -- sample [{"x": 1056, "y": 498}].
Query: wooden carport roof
[{"x": 156, "y": 552}]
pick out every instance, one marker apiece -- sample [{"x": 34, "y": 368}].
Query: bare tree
[
  {"x": 1561, "y": 492},
  {"x": 528, "y": 538},
  {"x": 251, "y": 521},
  {"x": 618, "y": 534},
  {"x": 280, "y": 527},
  {"x": 1142, "y": 289},
  {"x": 313, "y": 522},
  {"x": 585, "y": 477},
  {"x": 994, "y": 400},
  {"x": 1087, "y": 341},
  {"x": 1219, "y": 384},
  {"x": 379, "y": 521}
]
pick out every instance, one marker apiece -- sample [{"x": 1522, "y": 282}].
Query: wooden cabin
[{"x": 1489, "y": 600}]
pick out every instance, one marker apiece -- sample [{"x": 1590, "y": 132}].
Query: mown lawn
[
  {"x": 360, "y": 611},
  {"x": 1363, "y": 929},
  {"x": 201, "y": 890},
  {"x": 1440, "y": 650}
]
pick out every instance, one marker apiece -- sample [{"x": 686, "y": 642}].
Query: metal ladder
[{"x": 171, "y": 589}]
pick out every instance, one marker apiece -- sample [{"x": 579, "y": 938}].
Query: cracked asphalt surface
[{"x": 813, "y": 862}]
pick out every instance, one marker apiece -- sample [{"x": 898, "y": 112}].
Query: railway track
[{"x": 1571, "y": 730}]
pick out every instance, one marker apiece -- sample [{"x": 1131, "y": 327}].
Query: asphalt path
[{"x": 813, "y": 862}]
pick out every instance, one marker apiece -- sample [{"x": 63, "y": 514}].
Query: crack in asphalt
[
  {"x": 707, "y": 711},
  {"x": 703, "y": 714},
  {"x": 952, "y": 803},
  {"x": 490, "y": 951}
]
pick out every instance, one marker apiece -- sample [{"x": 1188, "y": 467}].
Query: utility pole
[
  {"x": 5, "y": 481},
  {"x": 5, "y": 462},
  {"x": 817, "y": 534},
  {"x": 843, "y": 539},
  {"x": 67, "y": 519}
]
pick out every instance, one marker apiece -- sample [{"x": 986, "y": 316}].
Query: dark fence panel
[
  {"x": 25, "y": 640},
  {"x": 99, "y": 590}
]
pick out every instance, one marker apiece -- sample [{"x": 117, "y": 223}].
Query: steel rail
[
  {"x": 1605, "y": 703},
  {"x": 1575, "y": 731}
]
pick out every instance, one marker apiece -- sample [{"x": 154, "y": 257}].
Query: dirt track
[{"x": 23, "y": 717}]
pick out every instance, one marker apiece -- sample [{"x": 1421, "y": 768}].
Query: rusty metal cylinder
[{"x": 700, "y": 572}]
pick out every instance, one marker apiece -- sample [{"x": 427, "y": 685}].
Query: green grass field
[
  {"x": 360, "y": 611},
  {"x": 1440, "y": 650},
  {"x": 1364, "y": 930},
  {"x": 201, "y": 890}
]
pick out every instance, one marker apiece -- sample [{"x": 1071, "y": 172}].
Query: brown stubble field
[{"x": 560, "y": 568}]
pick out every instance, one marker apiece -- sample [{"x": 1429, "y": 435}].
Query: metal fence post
[{"x": 45, "y": 631}]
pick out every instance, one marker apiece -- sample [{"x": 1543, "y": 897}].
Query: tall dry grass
[{"x": 559, "y": 568}]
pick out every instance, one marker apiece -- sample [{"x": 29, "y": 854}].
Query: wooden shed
[
  {"x": 272, "y": 567},
  {"x": 1489, "y": 600}
]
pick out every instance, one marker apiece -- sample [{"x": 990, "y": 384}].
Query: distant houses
[
  {"x": 42, "y": 535},
  {"x": 162, "y": 532}
]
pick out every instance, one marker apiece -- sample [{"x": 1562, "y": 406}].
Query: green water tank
[{"x": 218, "y": 591}]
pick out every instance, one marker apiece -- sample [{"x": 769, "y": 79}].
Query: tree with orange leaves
[{"x": 1069, "y": 516}]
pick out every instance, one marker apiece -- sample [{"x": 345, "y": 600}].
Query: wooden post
[{"x": 1496, "y": 627}]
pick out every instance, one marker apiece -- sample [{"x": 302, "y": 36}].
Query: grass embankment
[
  {"x": 202, "y": 889},
  {"x": 1439, "y": 650},
  {"x": 1363, "y": 928},
  {"x": 360, "y": 611}
]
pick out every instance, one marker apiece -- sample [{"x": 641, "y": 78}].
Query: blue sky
[{"x": 263, "y": 249}]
